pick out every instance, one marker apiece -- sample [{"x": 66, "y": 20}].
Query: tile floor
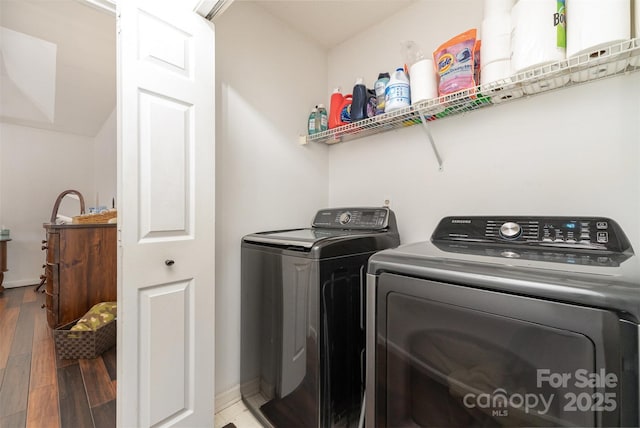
[{"x": 238, "y": 414}]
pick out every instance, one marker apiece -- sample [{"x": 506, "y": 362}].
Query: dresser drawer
[
  {"x": 52, "y": 274},
  {"x": 51, "y": 304},
  {"x": 53, "y": 247}
]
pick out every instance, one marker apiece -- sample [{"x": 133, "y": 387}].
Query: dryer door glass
[
  {"x": 464, "y": 368},
  {"x": 458, "y": 357}
]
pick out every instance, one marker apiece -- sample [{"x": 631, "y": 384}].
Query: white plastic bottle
[
  {"x": 397, "y": 94},
  {"x": 311, "y": 124},
  {"x": 322, "y": 123},
  {"x": 379, "y": 87}
]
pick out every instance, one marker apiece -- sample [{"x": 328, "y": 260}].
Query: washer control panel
[
  {"x": 586, "y": 233},
  {"x": 352, "y": 218}
]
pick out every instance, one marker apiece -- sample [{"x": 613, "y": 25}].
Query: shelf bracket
[{"x": 430, "y": 137}]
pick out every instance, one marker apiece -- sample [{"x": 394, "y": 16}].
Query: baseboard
[
  {"x": 20, "y": 283},
  {"x": 227, "y": 398}
]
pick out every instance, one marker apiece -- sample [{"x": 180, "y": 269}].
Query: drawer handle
[
  {"x": 44, "y": 247},
  {"x": 169, "y": 262}
]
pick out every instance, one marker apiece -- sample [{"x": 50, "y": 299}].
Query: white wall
[
  {"x": 36, "y": 166},
  {"x": 554, "y": 154},
  {"x": 105, "y": 162},
  {"x": 268, "y": 78},
  {"x": 427, "y": 22},
  {"x": 570, "y": 152}
]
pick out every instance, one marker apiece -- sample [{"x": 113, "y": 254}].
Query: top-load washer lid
[
  {"x": 305, "y": 238},
  {"x": 336, "y": 231}
]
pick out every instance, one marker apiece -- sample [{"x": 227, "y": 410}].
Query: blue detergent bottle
[{"x": 360, "y": 100}]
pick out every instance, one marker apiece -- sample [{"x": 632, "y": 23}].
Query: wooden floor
[{"x": 37, "y": 389}]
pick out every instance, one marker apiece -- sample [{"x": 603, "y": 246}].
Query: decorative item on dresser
[
  {"x": 3, "y": 259},
  {"x": 80, "y": 268}
]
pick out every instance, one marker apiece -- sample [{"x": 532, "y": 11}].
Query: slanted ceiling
[
  {"x": 332, "y": 22},
  {"x": 58, "y": 57},
  {"x": 57, "y": 65}
]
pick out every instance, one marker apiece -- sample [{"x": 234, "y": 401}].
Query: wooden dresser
[
  {"x": 3, "y": 259},
  {"x": 80, "y": 269}
]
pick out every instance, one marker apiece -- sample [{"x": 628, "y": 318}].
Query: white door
[{"x": 166, "y": 215}]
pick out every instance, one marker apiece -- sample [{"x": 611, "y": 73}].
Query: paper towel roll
[
  {"x": 496, "y": 38},
  {"x": 535, "y": 39},
  {"x": 423, "y": 83},
  {"x": 636, "y": 17},
  {"x": 495, "y": 25},
  {"x": 495, "y": 71},
  {"x": 601, "y": 70},
  {"x": 495, "y": 48},
  {"x": 498, "y": 83},
  {"x": 496, "y": 7},
  {"x": 596, "y": 23},
  {"x": 635, "y": 60}
]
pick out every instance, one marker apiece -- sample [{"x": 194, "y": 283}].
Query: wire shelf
[{"x": 613, "y": 60}]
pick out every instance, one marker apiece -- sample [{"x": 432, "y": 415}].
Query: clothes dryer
[{"x": 505, "y": 321}]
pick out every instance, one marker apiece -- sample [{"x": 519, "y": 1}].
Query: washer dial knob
[
  {"x": 345, "y": 217},
  {"x": 510, "y": 230}
]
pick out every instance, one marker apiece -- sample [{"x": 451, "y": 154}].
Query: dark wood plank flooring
[{"x": 37, "y": 389}]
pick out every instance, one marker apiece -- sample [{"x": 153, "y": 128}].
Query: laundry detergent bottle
[
  {"x": 335, "y": 108},
  {"x": 360, "y": 100},
  {"x": 379, "y": 87},
  {"x": 321, "y": 119},
  {"x": 311, "y": 124},
  {"x": 397, "y": 95}
]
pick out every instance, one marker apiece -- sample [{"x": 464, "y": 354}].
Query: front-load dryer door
[{"x": 457, "y": 356}]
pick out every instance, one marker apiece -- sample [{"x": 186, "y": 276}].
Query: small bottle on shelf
[
  {"x": 397, "y": 93},
  {"x": 311, "y": 123},
  {"x": 321, "y": 119},
  {"x": 379, "y": 87}
]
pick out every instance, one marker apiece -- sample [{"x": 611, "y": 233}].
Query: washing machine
[
  {"x": 505, "y": 321},
  {"x": 303, "y": 317}
]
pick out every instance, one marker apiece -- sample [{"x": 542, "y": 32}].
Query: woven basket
[
  {"x": 95, "y": 218},
  {"x": 74, "y": 345}
]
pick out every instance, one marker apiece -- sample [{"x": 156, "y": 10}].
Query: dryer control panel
[
  {"x": 575, "y": 240},
  {"x": 581, "y": 233},
  {"x": 352, "y": 218}
]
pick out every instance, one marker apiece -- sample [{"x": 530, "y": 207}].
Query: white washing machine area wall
[{"x": 515, "y": 321}]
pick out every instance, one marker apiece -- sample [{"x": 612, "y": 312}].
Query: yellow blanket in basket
[{"x": 99, "y": 315}]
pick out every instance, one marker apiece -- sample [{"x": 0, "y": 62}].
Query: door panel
[
  {"x": 167, "y": 310},
  {"x": 166, "y": 215},
  {"x": 165, "y": 45},
  {"x": 165, "y": 196}
]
